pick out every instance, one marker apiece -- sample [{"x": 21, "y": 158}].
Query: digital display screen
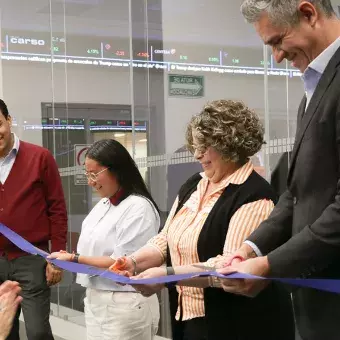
[
  {"x": 115, "y": 52},
  {"x": 116, "y": 125},
  {"x": 56, "y": 123},
  {"x": 79, "y": 124}
]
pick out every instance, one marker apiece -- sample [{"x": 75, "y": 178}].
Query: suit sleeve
[
  {"x": 317, "y": 245},
  {"x": 55, "y": 201}
]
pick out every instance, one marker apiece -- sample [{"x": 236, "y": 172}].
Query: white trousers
[{"x": 120, "y": 315}]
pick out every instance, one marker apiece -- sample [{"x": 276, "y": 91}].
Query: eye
[{"x": 277, "y": 43}]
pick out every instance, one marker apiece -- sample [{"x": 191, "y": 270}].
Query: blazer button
[{"x": 295, "y": 200}]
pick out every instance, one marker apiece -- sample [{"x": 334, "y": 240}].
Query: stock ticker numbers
[
  {"x": 37, "y": 47},
  {"x": 79, "y": 124},
  {"x": 142, "y": 54}
]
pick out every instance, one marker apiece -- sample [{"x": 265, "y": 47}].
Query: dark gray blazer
[{"x": 302, "y": 235}]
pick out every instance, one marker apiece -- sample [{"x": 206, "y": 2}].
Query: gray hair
[{"x": 280, "y": 12}]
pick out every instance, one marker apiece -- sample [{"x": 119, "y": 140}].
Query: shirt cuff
[{"x": 254, "y": 247}]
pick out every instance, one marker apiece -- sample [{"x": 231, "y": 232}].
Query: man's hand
[
  {"x": 148, "y": 290},
  {"x": 9, "y": 302},
  {"x": 53, "y": 274},
  {"x": 9, "y": 286},
  {"x": 258, "y": 266}
]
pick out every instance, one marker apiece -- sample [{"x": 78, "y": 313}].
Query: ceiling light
[
  {"x": 142, "y": 140},
  {"x": 119, "y": 135}
]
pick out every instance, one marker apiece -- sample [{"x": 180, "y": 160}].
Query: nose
[
  {"x": 278, "y": 54},
  {"x": 90, "y": 182}
]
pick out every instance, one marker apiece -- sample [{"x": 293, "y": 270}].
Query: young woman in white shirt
[{"x": 121, "y": 222}]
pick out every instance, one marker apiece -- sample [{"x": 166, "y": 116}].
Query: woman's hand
[
  {"x": 228, "y": 260},
  {"x": 61, "y": 255},
  {"x": 9, "y": 302},
  {"x": 123, "y": 266},
  {"x": 148, "y": 290}
]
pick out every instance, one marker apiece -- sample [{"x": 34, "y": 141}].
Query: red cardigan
[{"x": 32, "y": 201}]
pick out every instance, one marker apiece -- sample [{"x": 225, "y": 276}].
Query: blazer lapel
[{"x": 305, "y": 118}]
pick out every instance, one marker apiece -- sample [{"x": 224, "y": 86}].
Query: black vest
[{"x": 226, "y": 314}]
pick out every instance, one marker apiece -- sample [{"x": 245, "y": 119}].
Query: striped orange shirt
[{"x": 181, "y": 232}]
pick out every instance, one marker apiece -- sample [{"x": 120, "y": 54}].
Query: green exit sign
[{"x": 186, "y": 86}]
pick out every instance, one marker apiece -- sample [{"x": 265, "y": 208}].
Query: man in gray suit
[{"x": 301, "y": 238}]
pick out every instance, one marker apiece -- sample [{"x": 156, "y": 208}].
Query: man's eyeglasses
[{"x": 93, "y": 176}]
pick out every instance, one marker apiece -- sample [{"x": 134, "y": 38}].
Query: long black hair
[{"x": 113, "y": 155}]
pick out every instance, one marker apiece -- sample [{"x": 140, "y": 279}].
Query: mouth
[
  {"x": 292, "y": 60},
  {"x": 205, "y": 164}
]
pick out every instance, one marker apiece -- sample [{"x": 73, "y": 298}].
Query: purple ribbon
[{"x": 321, "y": 284}]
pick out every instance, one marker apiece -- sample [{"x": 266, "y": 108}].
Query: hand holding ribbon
[
  {"x": 122, "y": 267},
  {"x": 150, "y": 289},
  {"x": 61, "y": 255},
  {"x": 258, "y": 266}
]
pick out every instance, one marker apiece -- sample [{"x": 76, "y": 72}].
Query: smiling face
[
  {"x": 214, "y": 166},
  {"x": 299, "y": 44},
  {"x": 6, "y": 139},
  {"x": 105, "y": 183}
]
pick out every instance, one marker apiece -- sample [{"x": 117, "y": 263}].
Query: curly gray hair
[
  {"x": 230, "y": 127},
  {"x": 283, "y": 12}
]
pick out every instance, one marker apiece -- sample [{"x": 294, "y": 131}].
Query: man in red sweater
[{"x": 32, "y": 204}]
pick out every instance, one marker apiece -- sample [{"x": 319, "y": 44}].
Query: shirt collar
[
  {"x": 238, "y": 177},
  {"x": 320, "y": 63},
  {"x": 117, "y": 197},
  {"x": 15, "y": 147},
  {"x": 16, "y": 144}
]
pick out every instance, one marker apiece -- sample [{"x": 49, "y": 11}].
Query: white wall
[{"x": 26, "y": 86}]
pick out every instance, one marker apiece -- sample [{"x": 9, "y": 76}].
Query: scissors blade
[{"x": 201, "y": 266}]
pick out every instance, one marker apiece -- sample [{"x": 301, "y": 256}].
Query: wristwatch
[
  {"x": 75, "y": 258},
  {"x": 170, "y": 271}
]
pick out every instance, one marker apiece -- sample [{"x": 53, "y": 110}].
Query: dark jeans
[
  {"x": 194, "y": 329},
  {"x": 29, "y": 271}
]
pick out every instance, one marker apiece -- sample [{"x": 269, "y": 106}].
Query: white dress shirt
[
  {"x": 316, "y": 68},
  {"x": 6, "y": 163},
  {"x": 115, "y": 231}
]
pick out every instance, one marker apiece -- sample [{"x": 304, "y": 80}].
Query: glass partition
[{"x": 74, "y": 72}]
